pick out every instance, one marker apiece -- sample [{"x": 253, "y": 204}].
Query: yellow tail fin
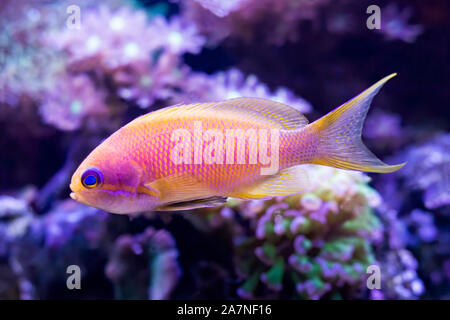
[{"x": 339, "y": 134}]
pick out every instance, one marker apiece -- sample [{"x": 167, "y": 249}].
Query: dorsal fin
[{"x": 277, "y": 114}]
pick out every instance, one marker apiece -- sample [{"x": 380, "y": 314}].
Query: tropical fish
[{"x": 197, "y": 155}]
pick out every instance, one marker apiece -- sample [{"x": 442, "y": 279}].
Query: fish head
[{"x": 108, "y": 179}]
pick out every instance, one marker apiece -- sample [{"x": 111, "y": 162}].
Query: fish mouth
[
  {"x": 78, "y": 198},
  {"x": 72, "y": 194}
]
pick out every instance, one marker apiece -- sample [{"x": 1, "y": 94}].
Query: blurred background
[{"x": 72, "y": 72}]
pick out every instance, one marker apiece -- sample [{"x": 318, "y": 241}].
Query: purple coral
[
  {"x": 144, "y": 265},
  {"x": 39, "y": 249},
  {"x": 222, "y": 8},
  {"x": 23, "y": 53},
  {"x": 107, "y": 39},
  {"x": 419, "y": 196},
  {"x": 142, "y": 58},
  {"x": 177, "y": 35},
  {"x": 424, "y": 226},
  {"x": 394, "y": 24},
  {"x": 399, "y": 276},
  {"x": 33, "y": 242},
  {"x": 71, "y": 100},
  {"x": 385, "y": 130},
  {"x": 146, "y": 83},
  {"x": 428, "y": 171},
  {"x": 140, "y": 63},
  {"x": 232, "y": 84},
  {"x": 237, "y": 18},
  {"x": 115, "y": 38}
]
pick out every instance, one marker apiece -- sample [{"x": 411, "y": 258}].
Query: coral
[
  {"x": 71, "y": 100},
  {"x": 394, "y": 24},
  {"x": 27, "y": 66},
  {"x": 177, "y": 35},
  {"x": 255, "y": 21},
  {"x": 399, "y": 277},
  {"x": 221, "y": 19},
  {"x": 151, "y": 257},
  {"x": 428, "y": 171},
  {"x": 63, "y": 90},
  {"x": 142, "y": 58},
  {"x": 144, "y": 83},
  {"x": 311, "y": 245},
  {"x": 221, "y": 8},
  {"x": 38, "y": 251},
  {"x": 107, "y": 39},
  {"x": 384, "y": 130},
  {"x": 68, "y": 73},
  {"x": 422, "y": 225},
  {"x": 141, "y": 61},
  {"x": 122, "y": 43},
  {"x": 419, "y": 196},
  {"x": 319, "y": 244},
  {"x": 11, "y": 207},
  {"x": 399, "y": 267},
  {"x": 232, "y": 84}
]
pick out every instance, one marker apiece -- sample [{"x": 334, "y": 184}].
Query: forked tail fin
[{"x": 339, "y": 135}]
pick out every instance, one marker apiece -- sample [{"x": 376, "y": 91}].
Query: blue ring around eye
[{"x": 91, "y": 178}]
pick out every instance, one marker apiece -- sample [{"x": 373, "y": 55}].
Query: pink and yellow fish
[{"x": 197, "y": 155}]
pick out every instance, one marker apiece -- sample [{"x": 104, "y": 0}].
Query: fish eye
[{"x": 91, "y": 178}]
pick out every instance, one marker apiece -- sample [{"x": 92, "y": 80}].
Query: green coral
[{"x": 313, "y": 245}]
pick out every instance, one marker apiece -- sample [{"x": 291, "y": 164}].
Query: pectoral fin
[
  {"x": 193, "y": 204},
  {"x": 179, "y": 188},
  {"x": 288, "y": 181},
  {"x": 147, "y": 189}
]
